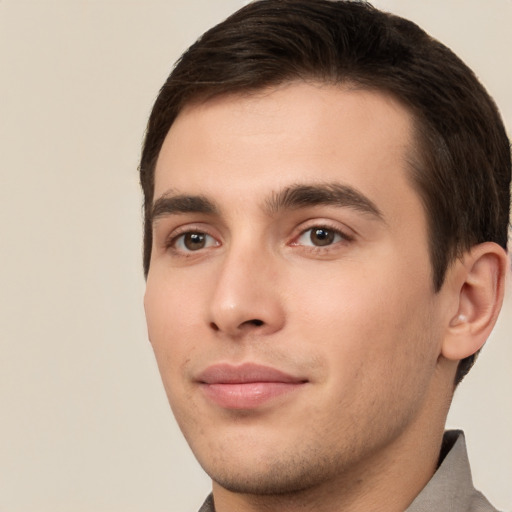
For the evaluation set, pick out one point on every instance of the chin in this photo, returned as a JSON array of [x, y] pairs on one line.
[[278, 474], [270, 483]]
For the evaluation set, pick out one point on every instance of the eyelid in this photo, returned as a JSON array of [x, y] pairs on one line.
[[179, 244], [171, 239], [301, 239], [347, 234]]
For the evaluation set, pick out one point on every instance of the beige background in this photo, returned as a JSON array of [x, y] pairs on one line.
[[84, 421]]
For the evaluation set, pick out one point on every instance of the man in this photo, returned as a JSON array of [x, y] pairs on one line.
[[327, 195]]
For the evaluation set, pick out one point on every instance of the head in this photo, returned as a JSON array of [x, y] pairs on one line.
[[460, 166], [326, 208]]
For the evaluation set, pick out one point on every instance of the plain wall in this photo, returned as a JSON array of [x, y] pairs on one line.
[[85, 424]]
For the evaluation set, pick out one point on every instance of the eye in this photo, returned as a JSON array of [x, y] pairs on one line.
[[193, 241], [320, 236]]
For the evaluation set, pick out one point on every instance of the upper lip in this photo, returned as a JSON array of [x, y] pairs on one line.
[[245, 373]]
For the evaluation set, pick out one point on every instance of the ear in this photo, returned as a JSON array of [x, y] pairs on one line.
[[478, 282]]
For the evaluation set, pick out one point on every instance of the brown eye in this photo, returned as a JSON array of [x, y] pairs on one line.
[[193, 241], [322, 236]]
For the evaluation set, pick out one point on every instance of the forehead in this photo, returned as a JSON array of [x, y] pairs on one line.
[[295, 133]]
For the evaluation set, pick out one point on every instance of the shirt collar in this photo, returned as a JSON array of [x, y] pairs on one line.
[[451, 488]]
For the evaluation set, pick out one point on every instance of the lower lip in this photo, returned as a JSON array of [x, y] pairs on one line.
[[248, 395]]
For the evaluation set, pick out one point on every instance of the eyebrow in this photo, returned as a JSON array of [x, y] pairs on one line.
[[326, 194], [170, 204], [293, 197]]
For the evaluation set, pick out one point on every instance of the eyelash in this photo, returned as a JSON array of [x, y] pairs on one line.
[[174, 239], [178, 237], [339, 236]]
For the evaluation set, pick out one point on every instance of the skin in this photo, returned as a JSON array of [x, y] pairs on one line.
[[355, 320]]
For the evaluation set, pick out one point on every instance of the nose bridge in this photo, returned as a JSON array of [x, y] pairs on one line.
[[246, 297]]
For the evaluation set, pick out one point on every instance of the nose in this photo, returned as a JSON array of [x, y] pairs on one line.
[[247, 299]]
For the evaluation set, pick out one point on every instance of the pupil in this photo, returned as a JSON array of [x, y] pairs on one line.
[[194, 241], [321, 236]]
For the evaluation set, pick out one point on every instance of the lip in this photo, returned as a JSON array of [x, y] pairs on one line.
[[246, 386]]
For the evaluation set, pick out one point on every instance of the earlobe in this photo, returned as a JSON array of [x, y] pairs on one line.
[[479, 285]]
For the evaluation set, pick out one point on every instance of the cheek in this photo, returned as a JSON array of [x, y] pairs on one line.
[[374, 318], [170, 306], [170, 322], [379, 360], [348, 302], [171, 319]]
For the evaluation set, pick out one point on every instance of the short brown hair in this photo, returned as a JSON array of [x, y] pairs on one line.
[[462, 166]]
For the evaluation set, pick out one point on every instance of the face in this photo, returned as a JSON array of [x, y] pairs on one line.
[[289, 298]]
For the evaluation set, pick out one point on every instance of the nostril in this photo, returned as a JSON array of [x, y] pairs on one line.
[[255, 322]]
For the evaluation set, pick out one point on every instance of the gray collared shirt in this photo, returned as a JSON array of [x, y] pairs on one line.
[[449, 490]]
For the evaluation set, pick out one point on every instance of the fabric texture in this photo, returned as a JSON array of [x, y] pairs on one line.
[[208, 505], [449, 490]]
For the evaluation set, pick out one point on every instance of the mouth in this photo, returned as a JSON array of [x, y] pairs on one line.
[[246, 386]]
